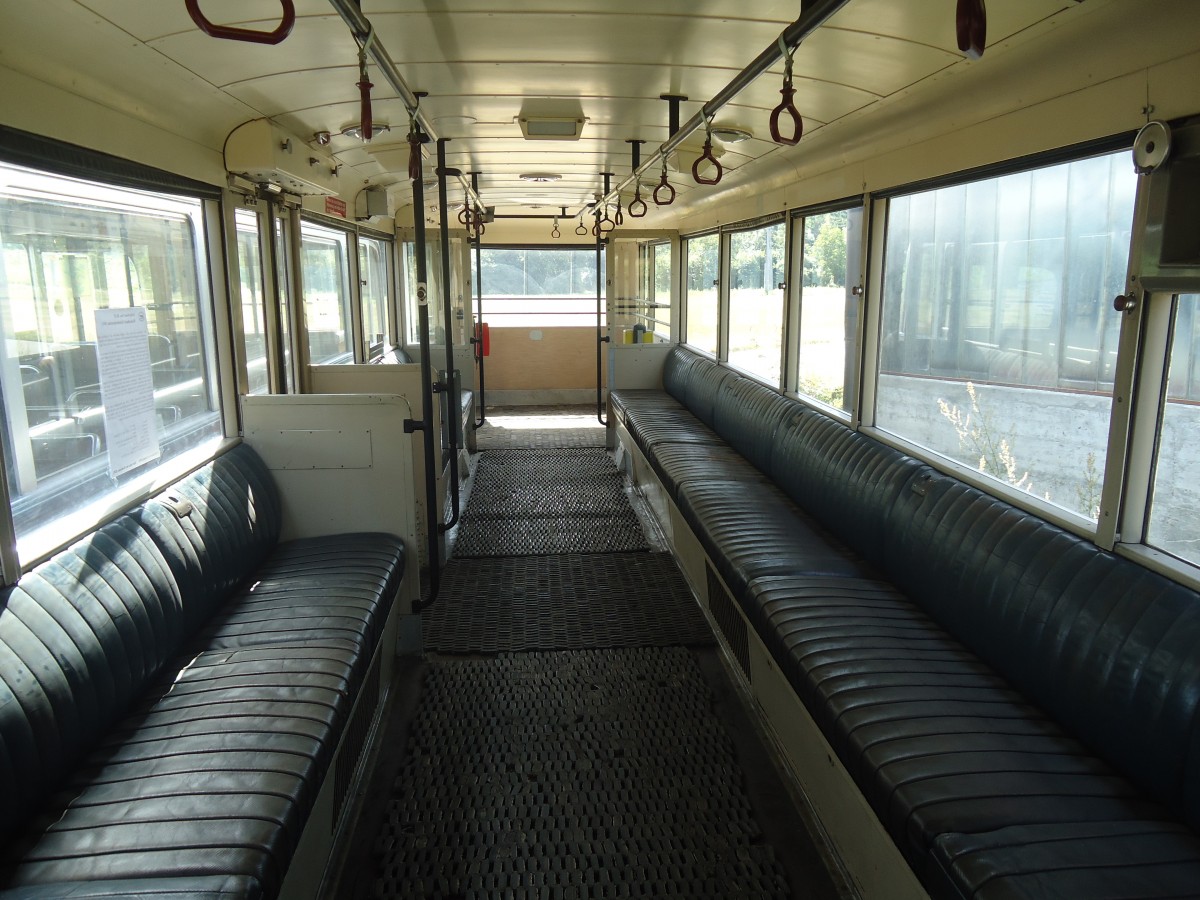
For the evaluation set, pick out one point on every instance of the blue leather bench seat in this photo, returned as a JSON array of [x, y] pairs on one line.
[[1020, 708], [190, 682]]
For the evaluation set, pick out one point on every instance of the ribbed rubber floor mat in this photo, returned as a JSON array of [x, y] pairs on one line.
[[540, 502], [575, 774], [564, 603]]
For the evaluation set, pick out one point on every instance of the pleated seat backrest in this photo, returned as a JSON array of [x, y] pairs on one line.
[[216, 527], [81, 636], [1108, 648]]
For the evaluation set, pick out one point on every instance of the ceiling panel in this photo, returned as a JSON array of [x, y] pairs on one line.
[[487, 58]]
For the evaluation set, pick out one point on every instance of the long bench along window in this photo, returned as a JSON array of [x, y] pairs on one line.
[[87, 408], [998, 337]]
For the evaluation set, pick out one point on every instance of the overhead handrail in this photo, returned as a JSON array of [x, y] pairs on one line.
[[707, 156], [230, 33], [813, 14], [352, 14], [366, 121], [664, 185], [970, 22], [786, 105]]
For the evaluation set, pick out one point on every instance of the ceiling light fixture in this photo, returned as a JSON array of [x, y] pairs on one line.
[[354, 129], [731, 134], [540, 177]]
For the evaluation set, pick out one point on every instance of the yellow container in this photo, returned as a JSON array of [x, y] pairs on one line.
[[627, 336], [648, 337]]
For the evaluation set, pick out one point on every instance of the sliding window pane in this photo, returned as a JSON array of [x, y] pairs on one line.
[[700, 293], [1174, 525], [323, 258], [828, 311], [998, 337], [107, 358], [250, 285], [662, 290], [373, 279], [756, 264]]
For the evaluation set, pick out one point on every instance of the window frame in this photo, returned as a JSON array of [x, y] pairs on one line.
[[1114, 475], [214, 326]]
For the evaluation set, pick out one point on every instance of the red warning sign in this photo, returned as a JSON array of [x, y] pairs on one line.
[[335, 207]]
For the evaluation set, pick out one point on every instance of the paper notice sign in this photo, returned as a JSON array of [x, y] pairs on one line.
[[126, 388]]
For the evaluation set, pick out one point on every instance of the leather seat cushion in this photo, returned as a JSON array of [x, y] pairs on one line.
[[750, 530], [677, 463], [1100, 861], [936, 740]]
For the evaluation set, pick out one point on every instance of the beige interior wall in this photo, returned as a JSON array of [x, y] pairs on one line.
[[533, 359]]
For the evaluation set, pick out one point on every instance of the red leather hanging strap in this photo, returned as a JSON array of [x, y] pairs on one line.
[[786, 106], [664, 188], [366, 120], [637, 206], [229, 33], [368, 124], [971, 24]]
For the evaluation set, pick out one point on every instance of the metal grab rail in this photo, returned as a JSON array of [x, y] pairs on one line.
[[601, 339], [454, 407], [229, 33]]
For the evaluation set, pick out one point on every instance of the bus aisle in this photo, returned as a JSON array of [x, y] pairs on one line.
[[570, 731]]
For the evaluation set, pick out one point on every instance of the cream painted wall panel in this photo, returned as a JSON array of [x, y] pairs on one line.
[[561, 358], [35, 106], [322, 499]]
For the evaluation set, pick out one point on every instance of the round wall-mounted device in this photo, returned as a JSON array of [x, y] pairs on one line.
[[1151, 146]]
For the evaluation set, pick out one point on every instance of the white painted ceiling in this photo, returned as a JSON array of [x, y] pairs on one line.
[[487, 59]]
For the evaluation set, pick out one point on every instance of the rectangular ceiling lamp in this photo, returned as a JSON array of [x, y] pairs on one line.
[[550, 129]]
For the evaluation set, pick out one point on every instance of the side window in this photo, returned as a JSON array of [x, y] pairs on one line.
[[250, 286], [700, 291], [829, 309], [756, 290], [373, 279], [998, 333], [326, 283], [108, 367]]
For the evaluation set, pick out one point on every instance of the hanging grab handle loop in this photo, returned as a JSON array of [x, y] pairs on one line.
[[619, 218], [971, 24], [664, 185], [414, 147], [229, 33], [367, 123], [637, 206], [707, 156], [786, 105], [581, 229]]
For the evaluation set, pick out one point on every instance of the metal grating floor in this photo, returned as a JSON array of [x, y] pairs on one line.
[[564, 602], [540, 427], [539, 502], [570, 775]]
